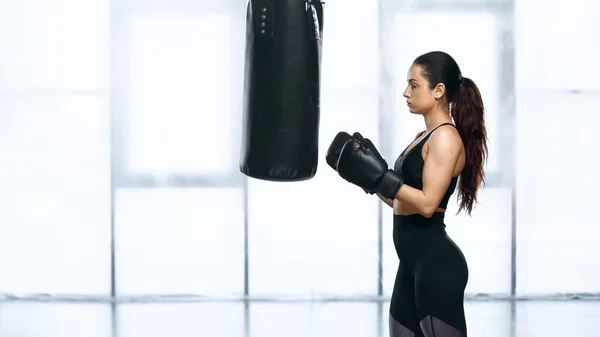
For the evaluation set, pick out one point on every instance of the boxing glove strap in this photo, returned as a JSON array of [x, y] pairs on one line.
[[389, 184]]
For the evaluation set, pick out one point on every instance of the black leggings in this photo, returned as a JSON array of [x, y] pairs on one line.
[[428, 295]]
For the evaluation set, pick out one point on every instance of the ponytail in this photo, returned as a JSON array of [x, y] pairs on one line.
[[467, 112]]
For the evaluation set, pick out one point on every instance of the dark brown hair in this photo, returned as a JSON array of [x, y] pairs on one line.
[[466, 108]]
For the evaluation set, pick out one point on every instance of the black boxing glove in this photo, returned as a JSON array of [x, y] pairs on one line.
[[368, 144], [370, 147], [389, 184], [364, 166], [333, 153]]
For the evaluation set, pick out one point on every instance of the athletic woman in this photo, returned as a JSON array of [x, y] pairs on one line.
[[428, 295]]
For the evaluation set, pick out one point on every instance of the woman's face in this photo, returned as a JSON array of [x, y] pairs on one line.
[[419, 98]]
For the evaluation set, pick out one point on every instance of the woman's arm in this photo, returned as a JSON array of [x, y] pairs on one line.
[[444, 148]]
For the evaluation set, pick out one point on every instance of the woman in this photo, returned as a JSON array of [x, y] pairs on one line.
[[428, 294]]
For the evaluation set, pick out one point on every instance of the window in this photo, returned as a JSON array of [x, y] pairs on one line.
[[449, 5], [162, 6], [192, 319], [180, 117], [557, 222], [64, 319], [180, 241], [54, 45], [556, 139], [476, 51], [485, 317], [317, 234], [484, 238], [55, 196], [331, 319], [546, 50], [555, 318], [350, 45]]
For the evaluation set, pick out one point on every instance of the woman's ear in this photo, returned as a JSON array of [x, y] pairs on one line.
[[439, 90]]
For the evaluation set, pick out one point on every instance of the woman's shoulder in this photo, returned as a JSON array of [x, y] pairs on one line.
[[446, 136]]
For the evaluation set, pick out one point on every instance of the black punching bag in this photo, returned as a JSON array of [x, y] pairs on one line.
[[280, 140]]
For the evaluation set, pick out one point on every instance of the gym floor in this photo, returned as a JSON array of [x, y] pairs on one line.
[[276, 319]]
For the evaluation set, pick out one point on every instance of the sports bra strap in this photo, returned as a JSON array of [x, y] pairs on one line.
[[441, 126], [429, 134]]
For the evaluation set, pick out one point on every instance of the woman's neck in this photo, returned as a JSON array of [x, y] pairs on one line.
[[435, 118]]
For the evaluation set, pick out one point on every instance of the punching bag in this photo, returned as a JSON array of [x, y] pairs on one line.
[[281, 109]]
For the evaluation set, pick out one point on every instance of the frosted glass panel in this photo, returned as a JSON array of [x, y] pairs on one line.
[[180, 241], [484, 238], [557, 186], [55, 195], [350, 45], [54, 45], [449, 5], [556, 44], [180, 115], [478, 60], [55, 319], [323, 320], [318, 236], [182, 320], [557, 318]]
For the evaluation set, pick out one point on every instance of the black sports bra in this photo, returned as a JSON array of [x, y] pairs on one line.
[[410, 165]]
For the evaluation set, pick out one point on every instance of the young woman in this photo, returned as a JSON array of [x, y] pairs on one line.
[[428, 294]]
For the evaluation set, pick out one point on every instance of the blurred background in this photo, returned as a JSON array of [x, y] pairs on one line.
[[120, 131]]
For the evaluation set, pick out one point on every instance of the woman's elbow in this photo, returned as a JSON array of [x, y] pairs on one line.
[[428, 211]]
